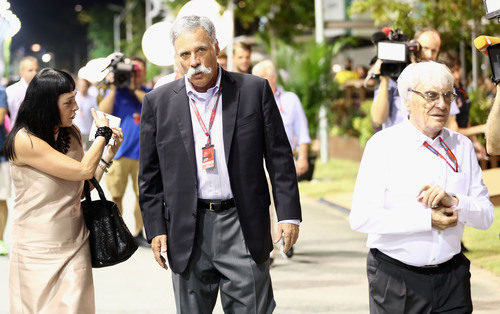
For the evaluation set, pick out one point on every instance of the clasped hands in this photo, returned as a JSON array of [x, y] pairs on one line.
[[443, 216]]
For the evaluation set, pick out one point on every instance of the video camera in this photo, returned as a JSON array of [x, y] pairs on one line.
[[122, 69], [395, 50], [488, 45]]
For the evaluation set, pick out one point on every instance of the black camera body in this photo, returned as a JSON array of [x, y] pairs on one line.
[[395, 50], [122, 69]]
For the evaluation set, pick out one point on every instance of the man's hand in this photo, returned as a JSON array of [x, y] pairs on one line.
[[159, 246], [443, 218], [291, 232], [435, 196], [301, 166]]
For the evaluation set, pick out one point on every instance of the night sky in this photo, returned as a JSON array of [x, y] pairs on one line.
[[55, 26]]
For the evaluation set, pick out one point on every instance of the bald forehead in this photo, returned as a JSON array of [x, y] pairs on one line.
[[28, 63], [430, 35]]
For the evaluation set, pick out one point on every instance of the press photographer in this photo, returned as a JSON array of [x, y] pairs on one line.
[[387, 108], [124, 100]]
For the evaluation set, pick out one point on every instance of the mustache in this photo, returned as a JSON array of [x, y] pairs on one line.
[[199, 69]]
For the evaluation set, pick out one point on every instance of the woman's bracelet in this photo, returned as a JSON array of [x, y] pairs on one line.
[[108, 164], [105, 132], [104, 168]]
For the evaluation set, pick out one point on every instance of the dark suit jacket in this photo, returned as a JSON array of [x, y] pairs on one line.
[[252, 129]]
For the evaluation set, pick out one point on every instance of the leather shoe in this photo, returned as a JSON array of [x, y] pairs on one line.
[[141, 241]]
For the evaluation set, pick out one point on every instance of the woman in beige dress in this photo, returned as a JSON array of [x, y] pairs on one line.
[[50, 265]]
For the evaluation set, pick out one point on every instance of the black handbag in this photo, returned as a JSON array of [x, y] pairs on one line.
[[110, 240]]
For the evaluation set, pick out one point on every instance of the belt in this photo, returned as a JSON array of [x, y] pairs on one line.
[[216, 205], [421, 269]]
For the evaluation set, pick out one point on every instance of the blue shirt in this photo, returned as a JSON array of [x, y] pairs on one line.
[[3, 131], [125, 106]]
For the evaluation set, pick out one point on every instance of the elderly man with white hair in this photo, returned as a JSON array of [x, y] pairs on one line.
[[419, 184]]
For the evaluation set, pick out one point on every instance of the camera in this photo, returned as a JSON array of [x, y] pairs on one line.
[[395, 50], [122, 69]]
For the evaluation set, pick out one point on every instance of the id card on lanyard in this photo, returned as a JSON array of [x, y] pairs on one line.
[[208, 151]]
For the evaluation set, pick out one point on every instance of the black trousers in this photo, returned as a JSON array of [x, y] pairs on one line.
[[399, 288]]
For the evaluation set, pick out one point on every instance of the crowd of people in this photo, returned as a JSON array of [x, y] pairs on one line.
[[213, 157]]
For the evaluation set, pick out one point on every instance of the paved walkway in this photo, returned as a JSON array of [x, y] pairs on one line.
[[326, 275]]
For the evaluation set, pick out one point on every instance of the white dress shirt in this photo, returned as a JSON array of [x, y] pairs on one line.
[[213, 183], [15, 96], [395, 166], [294, 118], [83, 116]]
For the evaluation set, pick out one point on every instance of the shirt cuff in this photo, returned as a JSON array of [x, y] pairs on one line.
[[290, 221], [462, 207]]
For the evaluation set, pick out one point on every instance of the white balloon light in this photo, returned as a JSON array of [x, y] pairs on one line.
[[157, 45]]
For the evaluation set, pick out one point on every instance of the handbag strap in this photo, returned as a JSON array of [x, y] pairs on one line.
[[96, 185]]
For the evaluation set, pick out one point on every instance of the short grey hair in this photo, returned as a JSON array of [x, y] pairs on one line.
[[265, 66], [191, 23], [417, 73]]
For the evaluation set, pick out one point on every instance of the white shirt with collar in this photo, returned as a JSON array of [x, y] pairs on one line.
[[15, 96], [293, 116], [395, 166]]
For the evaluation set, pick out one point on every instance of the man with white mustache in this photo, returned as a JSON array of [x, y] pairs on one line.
[[203, 191]]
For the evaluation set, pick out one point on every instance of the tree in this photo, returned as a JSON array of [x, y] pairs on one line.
[[273, 19], [99, 23], [455, 19]]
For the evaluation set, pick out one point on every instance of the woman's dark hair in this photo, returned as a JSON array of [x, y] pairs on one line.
[[39, 112]]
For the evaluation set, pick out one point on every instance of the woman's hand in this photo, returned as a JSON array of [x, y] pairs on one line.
[[99, 121], [118, 138]]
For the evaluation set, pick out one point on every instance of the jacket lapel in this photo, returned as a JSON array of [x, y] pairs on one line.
[[230, 99], [181, 110]]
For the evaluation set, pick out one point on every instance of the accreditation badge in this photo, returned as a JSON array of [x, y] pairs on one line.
[[137, 118], [208, 157]]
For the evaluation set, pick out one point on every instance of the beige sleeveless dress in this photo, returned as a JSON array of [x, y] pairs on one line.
[[50, 265]]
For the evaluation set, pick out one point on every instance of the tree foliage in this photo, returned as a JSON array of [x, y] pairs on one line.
[[99, 23], [455, 19], [308, 74], [281, 19]]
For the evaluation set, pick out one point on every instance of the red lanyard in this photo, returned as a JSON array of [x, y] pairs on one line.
[[448, 152], [212, 118]]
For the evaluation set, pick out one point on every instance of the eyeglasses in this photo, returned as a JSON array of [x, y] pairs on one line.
[[432, 96]]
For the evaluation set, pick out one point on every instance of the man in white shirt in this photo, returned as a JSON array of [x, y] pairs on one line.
[[83, 118], [418, 185], [15, 93], [292, 113], [295, 122]]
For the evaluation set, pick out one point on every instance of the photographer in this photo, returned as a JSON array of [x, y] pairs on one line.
[[387, 108], [126, 103]]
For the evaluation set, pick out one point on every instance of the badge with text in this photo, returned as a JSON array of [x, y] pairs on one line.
[[137, 118], [208, 157]]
